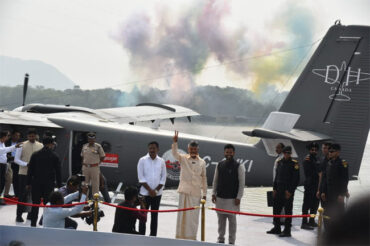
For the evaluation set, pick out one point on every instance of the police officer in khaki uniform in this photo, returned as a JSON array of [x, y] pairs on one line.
[[92, 154]]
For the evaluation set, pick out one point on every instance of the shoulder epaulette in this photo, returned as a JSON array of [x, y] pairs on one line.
[[296, 165], [344, 163], [307, 158]]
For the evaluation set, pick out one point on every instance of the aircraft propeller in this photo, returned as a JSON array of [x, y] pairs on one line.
[[25, 87]]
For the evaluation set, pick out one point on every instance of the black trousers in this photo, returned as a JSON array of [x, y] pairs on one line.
[[279, 203], [310, 202], [151, 203], [3, 168], [70, 223], [39, 191], [15, 169], [23, 193]]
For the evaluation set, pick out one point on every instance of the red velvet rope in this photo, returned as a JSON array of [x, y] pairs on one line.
[[262, 215], [149, 210], [42, 205], [157, 211]]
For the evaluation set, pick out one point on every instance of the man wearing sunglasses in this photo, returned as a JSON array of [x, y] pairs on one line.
[[334, 185], [311, 173], [285, 183]]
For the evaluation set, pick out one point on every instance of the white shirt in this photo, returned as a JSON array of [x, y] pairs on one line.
[[280, 156], [3, 151], [152, 172], [17, 158], [13, 152], [54, 217]]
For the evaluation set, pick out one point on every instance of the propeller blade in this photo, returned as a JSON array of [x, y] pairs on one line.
[[25, 87]]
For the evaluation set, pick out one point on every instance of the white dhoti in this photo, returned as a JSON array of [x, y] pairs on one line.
[[187, 221]]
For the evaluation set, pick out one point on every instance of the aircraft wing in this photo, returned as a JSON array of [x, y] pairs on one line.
[[141, 112], [26, 119], [145, 112]]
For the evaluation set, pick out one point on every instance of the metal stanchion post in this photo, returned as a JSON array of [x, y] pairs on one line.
[[203, 224], [320, 223], [96, 207]]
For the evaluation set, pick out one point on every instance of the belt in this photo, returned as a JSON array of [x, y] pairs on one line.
[[91, 165]]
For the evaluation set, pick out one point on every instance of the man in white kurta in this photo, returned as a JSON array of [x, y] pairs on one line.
[[192, 186]]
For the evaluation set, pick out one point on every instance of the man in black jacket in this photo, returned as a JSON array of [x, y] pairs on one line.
[[334, 184], [322, 174], [43, 170], [285, 183], [311, 173]]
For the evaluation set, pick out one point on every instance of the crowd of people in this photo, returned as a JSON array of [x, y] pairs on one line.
[[36, 171], [325, 181]]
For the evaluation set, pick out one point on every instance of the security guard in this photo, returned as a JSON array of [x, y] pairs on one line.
[[43, 170], [311, 173], [334, 186], [322, 174], [92, 154], [285, 183]]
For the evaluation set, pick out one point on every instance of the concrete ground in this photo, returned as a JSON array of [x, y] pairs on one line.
[[251, 230]]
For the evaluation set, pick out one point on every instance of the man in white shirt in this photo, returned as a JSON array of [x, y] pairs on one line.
[[4, 136], [13, 169], [55, 217], [152, 174]]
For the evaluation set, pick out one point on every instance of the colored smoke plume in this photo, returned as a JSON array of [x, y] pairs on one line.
[[175, 49]]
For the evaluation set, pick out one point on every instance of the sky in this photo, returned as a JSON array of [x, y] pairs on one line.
[[173, 44]]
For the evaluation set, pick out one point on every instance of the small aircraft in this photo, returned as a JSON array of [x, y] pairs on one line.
[[313, 111]]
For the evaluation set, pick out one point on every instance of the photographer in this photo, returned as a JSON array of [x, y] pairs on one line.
[[125, 220], [73, 185], [57, 217]]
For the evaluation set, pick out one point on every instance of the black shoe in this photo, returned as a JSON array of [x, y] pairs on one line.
[[306, 226], [220, 241], [19, 219], [275, 230], [33, 224], [312, 223], [29, 217], [285, 234]]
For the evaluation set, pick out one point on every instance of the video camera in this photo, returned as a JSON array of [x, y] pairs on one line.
[[81, 177], [90, 219]]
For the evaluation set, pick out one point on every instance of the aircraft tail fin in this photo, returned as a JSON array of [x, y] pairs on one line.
[[332, 95], [330, 100]]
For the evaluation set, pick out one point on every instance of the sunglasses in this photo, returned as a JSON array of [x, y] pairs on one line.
[[332, 151]]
